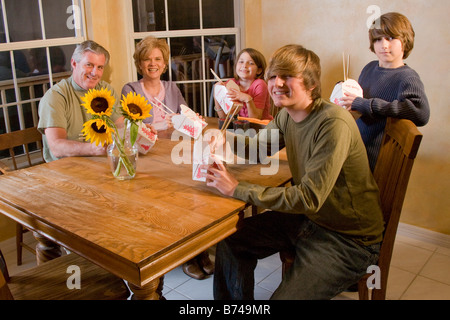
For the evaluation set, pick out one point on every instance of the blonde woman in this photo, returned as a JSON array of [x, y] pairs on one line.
[[151, 59]]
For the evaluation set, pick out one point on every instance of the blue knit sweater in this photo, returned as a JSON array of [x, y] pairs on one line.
[[397, 93]]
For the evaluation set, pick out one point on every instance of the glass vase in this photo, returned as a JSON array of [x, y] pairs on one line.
[[122, 158]]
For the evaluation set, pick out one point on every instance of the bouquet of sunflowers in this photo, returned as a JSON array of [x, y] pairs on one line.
[[101, 129]]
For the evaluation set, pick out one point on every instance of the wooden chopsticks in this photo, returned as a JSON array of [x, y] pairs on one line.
[[162, 109], [216, 76], [345, 65], [228, 118]]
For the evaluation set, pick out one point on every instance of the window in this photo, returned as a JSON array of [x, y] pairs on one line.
[[202, 35], [37, 39]]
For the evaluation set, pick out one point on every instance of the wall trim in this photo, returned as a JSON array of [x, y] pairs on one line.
[[425, 235]]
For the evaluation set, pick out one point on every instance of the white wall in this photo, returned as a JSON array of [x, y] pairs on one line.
[[330, 27]]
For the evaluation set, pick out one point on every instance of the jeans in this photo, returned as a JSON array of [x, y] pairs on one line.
[[326, 262]]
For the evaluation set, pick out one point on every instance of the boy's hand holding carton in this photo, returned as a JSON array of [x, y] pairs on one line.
[[348, 86], [343, 87]]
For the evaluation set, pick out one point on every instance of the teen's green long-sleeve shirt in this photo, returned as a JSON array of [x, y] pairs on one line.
[[333, 184]]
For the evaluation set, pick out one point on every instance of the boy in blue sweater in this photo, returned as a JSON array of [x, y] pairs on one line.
[[391, 88]]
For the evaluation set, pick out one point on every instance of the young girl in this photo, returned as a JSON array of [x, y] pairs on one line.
[[253, 94]]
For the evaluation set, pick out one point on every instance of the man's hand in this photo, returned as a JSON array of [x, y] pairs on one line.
[[61, 147]]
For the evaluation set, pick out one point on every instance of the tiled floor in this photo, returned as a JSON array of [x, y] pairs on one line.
[[420, 270]]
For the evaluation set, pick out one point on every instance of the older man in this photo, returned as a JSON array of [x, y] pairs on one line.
[[61, 116]]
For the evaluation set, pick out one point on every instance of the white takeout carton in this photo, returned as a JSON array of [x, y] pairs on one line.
[[146, 139], [349, 86], [188, 122], [188, 112], [202, 155], [220, 93]]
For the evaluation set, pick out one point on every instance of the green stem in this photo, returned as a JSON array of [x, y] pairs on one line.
[[123, 158]]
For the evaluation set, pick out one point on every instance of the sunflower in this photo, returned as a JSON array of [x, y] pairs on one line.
[[135, 107], [98, 131], [99, 102]]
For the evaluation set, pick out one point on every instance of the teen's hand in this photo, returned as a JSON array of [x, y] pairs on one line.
[[220, 178], [216, 140]]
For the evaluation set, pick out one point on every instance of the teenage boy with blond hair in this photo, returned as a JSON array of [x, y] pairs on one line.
[[330, 216]]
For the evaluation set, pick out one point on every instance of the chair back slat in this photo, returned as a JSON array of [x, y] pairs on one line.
[[398, 151], [394, 165]]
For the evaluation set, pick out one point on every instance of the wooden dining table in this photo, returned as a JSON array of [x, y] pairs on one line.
[[137, 229]]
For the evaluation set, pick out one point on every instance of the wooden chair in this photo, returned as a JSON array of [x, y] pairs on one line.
[[399, 148], [9, 141], [50, 281]]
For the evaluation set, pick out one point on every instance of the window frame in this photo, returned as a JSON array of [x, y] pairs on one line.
[[201, 32], [29, 83], [80, 36]]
